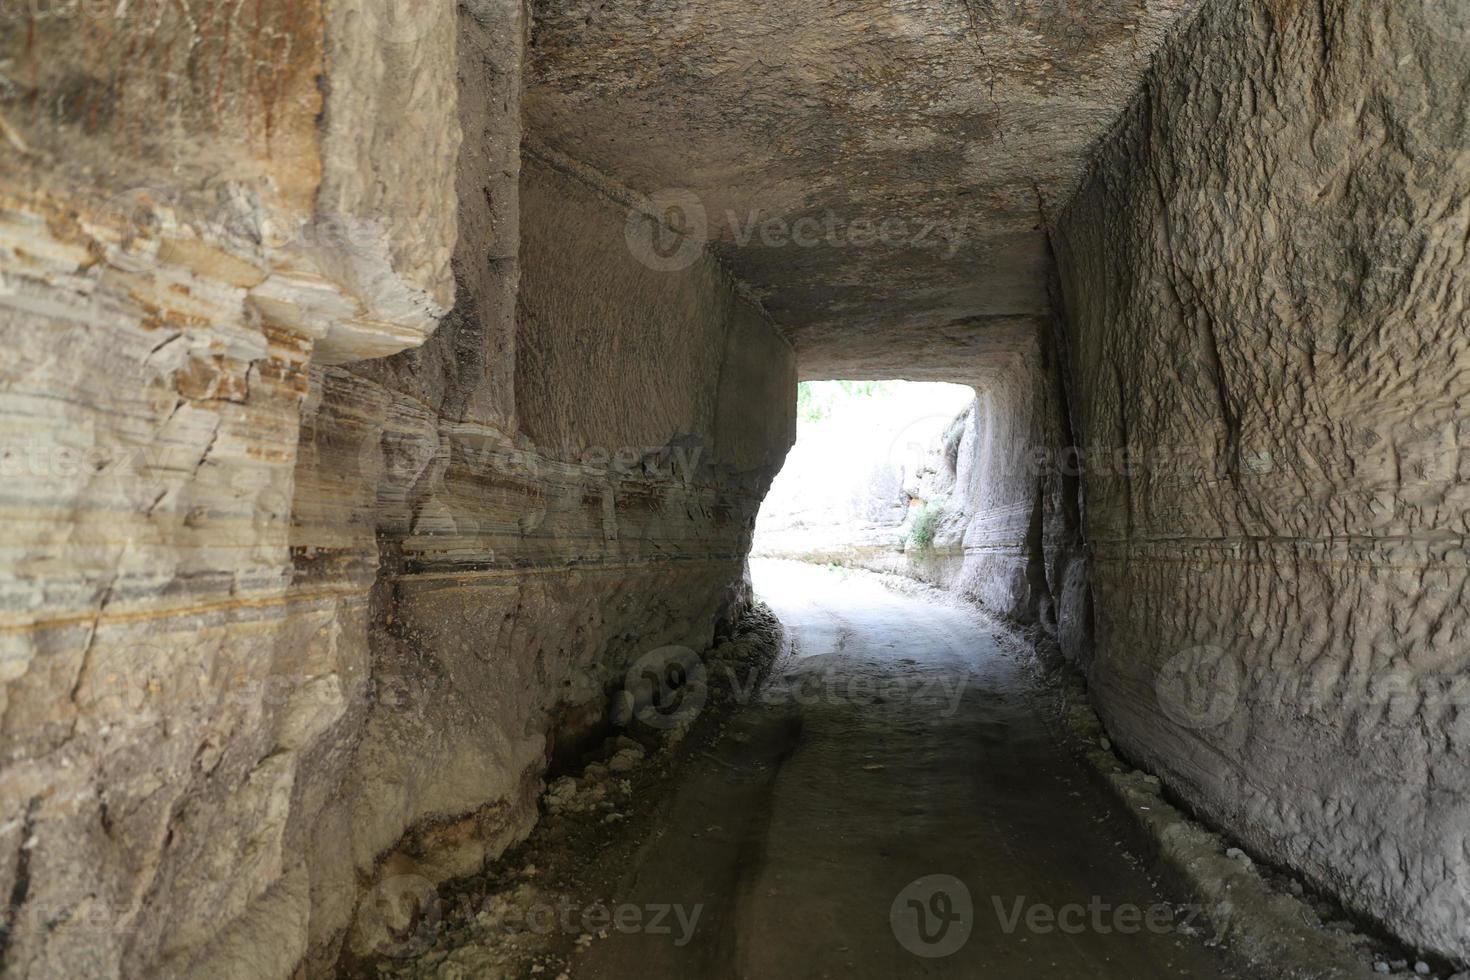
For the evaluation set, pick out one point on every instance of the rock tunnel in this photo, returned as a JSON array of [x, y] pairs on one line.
[[382, 378]]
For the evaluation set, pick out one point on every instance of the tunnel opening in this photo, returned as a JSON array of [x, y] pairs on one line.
[[875, 478]]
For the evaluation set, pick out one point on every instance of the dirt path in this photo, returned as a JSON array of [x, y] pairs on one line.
[[893, 796]]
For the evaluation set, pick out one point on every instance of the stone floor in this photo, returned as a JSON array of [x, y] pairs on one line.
[[895, 803]]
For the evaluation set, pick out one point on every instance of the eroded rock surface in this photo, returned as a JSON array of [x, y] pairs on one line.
[[1266, 287], [877, 173], [284, 627]]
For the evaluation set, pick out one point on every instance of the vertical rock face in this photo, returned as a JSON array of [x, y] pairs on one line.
[[285, 626], [1267, 286], [1017, 489]]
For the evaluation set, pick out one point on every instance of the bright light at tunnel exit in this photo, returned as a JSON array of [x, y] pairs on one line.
[[866, 463]]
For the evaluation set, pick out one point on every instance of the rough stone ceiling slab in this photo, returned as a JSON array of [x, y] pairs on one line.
[[947, 127]]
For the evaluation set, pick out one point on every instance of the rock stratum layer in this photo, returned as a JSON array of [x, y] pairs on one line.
[[284, 628]]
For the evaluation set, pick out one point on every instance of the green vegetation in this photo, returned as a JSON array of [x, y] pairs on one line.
[[926, 523], [817, 400]]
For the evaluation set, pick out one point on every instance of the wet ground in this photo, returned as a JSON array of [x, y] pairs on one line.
[[894, 804]]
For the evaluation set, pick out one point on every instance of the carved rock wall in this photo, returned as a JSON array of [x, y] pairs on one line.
[[1267, 289], [284, 627], [1018, 499]]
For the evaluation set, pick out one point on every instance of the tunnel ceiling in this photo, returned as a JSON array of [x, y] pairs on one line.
[[956, 122]]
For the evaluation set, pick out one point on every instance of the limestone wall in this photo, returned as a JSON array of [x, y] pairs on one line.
[[1022, 554], [1266, 283], [287, 631], [518, 572]]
